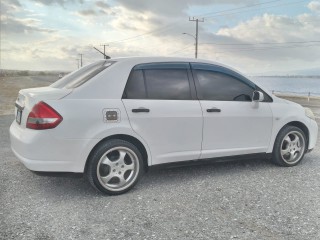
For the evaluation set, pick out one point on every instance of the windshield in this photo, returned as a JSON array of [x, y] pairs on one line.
[[79, 77]]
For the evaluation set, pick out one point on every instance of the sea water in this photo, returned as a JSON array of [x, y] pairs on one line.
[[295, 85]]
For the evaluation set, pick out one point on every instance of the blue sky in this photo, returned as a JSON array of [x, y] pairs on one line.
[[254, 36]]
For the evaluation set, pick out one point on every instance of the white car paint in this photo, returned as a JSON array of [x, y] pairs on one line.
[[240, 128], [171, 131]]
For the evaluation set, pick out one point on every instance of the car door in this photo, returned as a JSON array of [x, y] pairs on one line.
[[161, 104], [232, 123]]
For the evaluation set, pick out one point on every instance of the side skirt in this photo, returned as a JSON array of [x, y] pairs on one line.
[[265, 156]]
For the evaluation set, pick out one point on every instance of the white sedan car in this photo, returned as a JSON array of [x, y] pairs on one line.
[[115, 118]]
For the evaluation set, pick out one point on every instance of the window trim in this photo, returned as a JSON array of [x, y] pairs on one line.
[[221, 69], [164, 65], [194, 84], [200, 93], [226, 71]]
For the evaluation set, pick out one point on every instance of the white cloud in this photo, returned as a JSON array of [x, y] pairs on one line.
[[59, 2], [155, 28], [130, 20], [175, 8], [314, 6], [298, 35], [9, 7]]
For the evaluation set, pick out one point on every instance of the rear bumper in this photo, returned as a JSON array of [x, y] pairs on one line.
[[39, 151], [44, 165]]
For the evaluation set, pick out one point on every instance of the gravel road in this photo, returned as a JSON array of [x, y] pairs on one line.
[[250, 199]]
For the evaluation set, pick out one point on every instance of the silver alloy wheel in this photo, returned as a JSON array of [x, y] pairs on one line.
[[118, 168], [292, 147]]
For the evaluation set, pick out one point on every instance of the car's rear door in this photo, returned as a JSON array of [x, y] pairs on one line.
[[162, 107], [232, 123]]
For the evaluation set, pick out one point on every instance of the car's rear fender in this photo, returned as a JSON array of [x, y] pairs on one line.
[[86, 119]]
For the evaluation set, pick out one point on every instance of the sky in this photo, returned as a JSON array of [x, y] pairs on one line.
[[253, 36]]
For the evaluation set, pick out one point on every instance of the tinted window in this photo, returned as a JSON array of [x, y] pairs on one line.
[[79, 77], [222, 87], [171, 84], [135, 88]]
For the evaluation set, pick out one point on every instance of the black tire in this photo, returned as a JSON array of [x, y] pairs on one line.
[[110, 162], [285, 147]]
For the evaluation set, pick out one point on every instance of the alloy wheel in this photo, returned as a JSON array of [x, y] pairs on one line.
[[118, 168], [292, 147]]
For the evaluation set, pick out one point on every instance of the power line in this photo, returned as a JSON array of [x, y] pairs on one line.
[[161, 29], [261, 43], [172, 24], [246, 49], [283, 4], [262, 49], [180, 50], [232, 9]]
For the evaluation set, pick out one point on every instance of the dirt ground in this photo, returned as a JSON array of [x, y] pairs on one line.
[[10, 86]]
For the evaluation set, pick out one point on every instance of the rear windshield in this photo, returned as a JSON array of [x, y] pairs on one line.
[[79, 77]]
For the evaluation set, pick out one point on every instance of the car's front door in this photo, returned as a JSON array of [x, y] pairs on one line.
[[232, 123], [162, 108]]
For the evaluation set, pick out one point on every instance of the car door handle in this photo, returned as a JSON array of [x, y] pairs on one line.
[[213, 110], [137, 110]]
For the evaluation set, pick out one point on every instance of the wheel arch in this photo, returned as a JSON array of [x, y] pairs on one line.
[[127, 138], [299, 125]]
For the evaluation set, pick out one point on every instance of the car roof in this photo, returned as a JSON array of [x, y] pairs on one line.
[[153, 59], [138, 60]]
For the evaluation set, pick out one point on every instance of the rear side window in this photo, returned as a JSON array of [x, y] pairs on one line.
[[79, 77], [135, 88], [171, 84], [222, 87], [166, 84]]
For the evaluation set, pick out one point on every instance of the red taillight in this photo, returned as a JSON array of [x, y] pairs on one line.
[[42, 116]]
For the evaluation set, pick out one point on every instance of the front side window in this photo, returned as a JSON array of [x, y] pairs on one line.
[[222, 87], [166, 84]]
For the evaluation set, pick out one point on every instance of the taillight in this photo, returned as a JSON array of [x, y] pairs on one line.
[[42, 116]]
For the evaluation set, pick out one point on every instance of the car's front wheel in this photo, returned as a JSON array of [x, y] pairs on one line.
[[289, 147], [115, 166]]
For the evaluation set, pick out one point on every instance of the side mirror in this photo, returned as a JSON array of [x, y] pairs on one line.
[[257, 96]]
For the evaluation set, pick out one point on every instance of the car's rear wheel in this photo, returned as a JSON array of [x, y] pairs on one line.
[[289, 147], [115, 166]]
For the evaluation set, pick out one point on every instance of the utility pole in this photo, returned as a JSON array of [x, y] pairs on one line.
[[80, 59], [197, 20], [103, 53], [104, 50]]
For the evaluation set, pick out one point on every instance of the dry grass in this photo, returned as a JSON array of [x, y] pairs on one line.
[[10, 86]]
